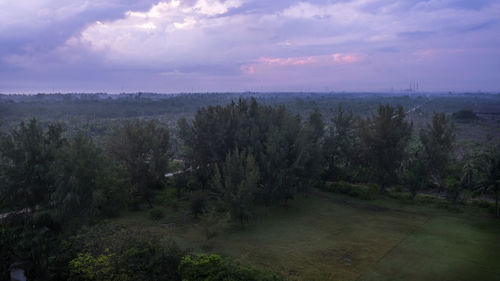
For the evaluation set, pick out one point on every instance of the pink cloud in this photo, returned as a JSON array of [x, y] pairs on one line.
[[248, 69], [271, 62], [289, 61], [346, 58]]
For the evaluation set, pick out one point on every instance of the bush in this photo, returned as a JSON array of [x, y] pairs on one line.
[[157, 213], [398, 192], [86, 267], [465, 115], [426, 198], [149, 260], [366, 192], [215, 268], [482, 204], [116, 253], [167, 197]]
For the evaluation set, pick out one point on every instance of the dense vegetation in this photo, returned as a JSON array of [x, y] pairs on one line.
[[226, 163]]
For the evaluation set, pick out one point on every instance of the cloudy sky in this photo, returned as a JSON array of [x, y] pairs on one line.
[[248, 45]]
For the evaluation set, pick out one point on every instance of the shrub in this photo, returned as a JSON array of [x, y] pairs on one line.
[[86, 267], [355, 190], [397, 192], [157, 213], [116, 254], [465, 115], [215, 268], [426, 198], [482, 204], [149, 260]]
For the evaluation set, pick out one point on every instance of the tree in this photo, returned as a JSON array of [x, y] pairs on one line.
[[415, 174], [75, 172], [28, 153], [87, 184], [142, 147], [309, 164], [384, 138], [316, 126], [273, 136], [437, 140], [236, 181], [339, 145], [280, 163]]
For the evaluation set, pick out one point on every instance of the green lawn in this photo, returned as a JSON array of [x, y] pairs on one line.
[[328, 237]]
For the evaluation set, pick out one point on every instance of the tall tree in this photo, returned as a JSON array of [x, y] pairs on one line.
[[384, 138], [28, 153], [143, 148], [271, 134], [415, 175], [309, 162], [280, 164], [87, 184], [236, 180], [339, 146], [437, 140]]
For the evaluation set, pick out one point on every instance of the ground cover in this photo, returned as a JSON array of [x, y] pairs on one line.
[[331, 237]]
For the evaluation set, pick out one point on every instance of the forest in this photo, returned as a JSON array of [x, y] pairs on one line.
[[250, 186]]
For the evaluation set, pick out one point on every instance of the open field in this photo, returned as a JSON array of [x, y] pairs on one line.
[[328, 237]]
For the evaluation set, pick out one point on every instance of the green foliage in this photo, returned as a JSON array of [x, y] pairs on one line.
[[28, 153], [273, 136], [415, 176], [453, 189], [143, 148], [489, 167], [482, 204], [87, 268], [25, 240], [437, 140], [339, 146], [384, 139], [76, 170], [112, 182], [54, 185], [465, 115], [168, 197], [150, 261], [112, 252], [157, 213], [309, 165], [215, 268], [87, 183], [366, 192], [237, 184]]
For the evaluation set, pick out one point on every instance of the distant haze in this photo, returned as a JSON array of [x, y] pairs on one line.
[[248, 45]]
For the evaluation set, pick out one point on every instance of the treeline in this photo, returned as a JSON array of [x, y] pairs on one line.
[[51, 185], [245, 154], [235, 158]]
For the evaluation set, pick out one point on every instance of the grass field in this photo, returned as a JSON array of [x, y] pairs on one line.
[[328, 237]]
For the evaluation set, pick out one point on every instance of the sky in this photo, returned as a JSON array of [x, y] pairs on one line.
[[248, 45]]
